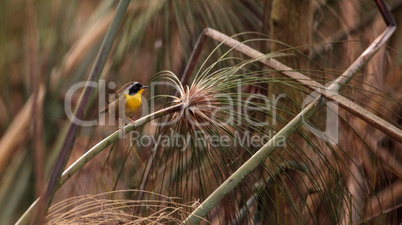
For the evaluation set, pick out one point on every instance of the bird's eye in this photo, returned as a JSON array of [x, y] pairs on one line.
[[134, 89]]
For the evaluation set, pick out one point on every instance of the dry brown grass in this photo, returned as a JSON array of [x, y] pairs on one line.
[[113, 208]]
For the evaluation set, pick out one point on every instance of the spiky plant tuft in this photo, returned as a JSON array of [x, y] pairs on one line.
[[199, 105], [210, 136]]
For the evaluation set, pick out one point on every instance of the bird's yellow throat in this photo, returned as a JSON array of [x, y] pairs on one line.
[[133, 102]]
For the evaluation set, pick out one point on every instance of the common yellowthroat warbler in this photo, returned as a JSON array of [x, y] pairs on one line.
[[128, 98]]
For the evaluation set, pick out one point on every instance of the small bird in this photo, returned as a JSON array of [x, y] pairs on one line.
[[127, 100]]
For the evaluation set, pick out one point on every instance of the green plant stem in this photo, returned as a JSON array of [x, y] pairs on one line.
[[279, 139], [71, 170], [61, 161]]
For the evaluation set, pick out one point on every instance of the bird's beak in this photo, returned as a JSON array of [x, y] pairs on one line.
[[145, 87]]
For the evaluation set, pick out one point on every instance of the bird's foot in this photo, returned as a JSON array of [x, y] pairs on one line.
[[133, 122]]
